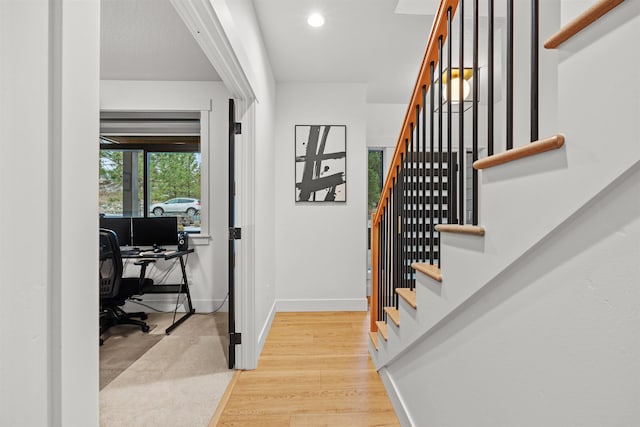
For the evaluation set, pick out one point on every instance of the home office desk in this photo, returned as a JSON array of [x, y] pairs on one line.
[[145, 257]]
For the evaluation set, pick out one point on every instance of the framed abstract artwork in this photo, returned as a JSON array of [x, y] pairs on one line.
[[321, 163]]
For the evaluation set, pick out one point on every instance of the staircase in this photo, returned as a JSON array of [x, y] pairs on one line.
[[529, 315]]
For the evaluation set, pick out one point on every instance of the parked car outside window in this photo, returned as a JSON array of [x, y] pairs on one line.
[[178, 205]]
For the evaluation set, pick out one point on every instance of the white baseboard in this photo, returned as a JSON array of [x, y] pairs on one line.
[[396, 399], [265, 330], [354, 304]]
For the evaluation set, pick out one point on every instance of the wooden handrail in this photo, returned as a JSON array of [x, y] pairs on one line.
[[431, 55], [585, 19], [532, 149], [438, 30]]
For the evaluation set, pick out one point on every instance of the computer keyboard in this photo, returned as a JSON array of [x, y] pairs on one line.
[[129, 252]]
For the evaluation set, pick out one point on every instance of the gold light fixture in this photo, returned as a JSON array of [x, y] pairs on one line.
[[456, 75]]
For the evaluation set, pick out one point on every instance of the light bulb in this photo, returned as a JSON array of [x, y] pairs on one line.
[[455, 90], [315, 20]]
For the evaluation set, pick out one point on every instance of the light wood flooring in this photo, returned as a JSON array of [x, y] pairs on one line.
[[314, 370]]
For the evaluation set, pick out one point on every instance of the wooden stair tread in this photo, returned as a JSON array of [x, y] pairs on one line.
[[393, 314], [430, 270], [408, 295], [532, 149], [582, 21], [474, 230], [374, 339], [382, 328]]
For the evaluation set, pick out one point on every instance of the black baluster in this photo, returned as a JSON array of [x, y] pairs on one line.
[[398, 222], [423, 168], [383, 245], [490, 83], [474, 172], [509, 74], [403, 215], [383, 263], [431, 162], [535, 26], [389, 243], [450, 167], [417, 179], [440, 183], [461, 151]]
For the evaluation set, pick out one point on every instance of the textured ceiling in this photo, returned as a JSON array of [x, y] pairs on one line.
[[147, 40]]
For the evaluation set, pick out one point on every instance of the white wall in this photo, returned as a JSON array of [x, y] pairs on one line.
[[553, 342], [384, 122], [49, 208], [321, 248], [207, 266]]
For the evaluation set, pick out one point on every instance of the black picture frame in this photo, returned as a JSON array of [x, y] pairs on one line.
[[320, 177]]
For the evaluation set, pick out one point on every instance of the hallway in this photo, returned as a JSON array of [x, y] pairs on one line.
[[314, 370]]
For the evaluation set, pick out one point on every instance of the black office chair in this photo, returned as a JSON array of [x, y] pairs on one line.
[[115, 289]]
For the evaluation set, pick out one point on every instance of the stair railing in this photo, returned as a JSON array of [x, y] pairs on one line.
[[427, 186]]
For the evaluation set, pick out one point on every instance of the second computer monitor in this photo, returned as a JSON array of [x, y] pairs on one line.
[[121, 226], [162, 231]]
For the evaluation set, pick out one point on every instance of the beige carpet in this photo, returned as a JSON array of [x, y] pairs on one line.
[[123, 345], [176, 382]]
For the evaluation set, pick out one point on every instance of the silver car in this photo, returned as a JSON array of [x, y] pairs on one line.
[[178, 205]]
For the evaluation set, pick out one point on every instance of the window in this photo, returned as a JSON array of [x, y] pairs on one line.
[[375, 183], [375, 179], [156, 174], [121, 182]]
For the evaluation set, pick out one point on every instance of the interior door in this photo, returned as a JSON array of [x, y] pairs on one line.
[[234, 234]]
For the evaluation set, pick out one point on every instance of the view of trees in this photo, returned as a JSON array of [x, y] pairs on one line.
[[375, 179], [174, 175], [170, 175]]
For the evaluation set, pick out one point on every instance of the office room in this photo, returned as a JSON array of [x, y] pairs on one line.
[[163, 157], [137, 130]]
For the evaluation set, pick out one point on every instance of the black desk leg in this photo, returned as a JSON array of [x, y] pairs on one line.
[[190, 309]]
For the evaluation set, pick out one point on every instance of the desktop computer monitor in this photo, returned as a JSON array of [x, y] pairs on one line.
[[155, 232], [121, 226]]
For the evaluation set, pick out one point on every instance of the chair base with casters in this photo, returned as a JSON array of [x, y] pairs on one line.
[[112, 314], [117, 316]]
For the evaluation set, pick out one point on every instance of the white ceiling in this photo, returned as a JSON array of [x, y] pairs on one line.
[[147, 40], [363, 41]]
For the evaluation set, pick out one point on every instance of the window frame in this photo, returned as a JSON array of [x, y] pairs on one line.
[[205, 231]]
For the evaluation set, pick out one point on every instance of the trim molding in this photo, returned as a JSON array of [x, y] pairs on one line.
[[224, 400], [266, 328], [396, 398], [351, 304], [207, 29]]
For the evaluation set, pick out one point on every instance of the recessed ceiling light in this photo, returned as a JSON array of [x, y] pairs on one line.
[[315, 20]]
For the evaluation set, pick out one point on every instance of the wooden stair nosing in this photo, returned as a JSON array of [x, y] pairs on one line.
[[408, 295], [430, 270], [537, 147], [474, 230], [382, 328], [582, 21], [374, 339], [393, 314]]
